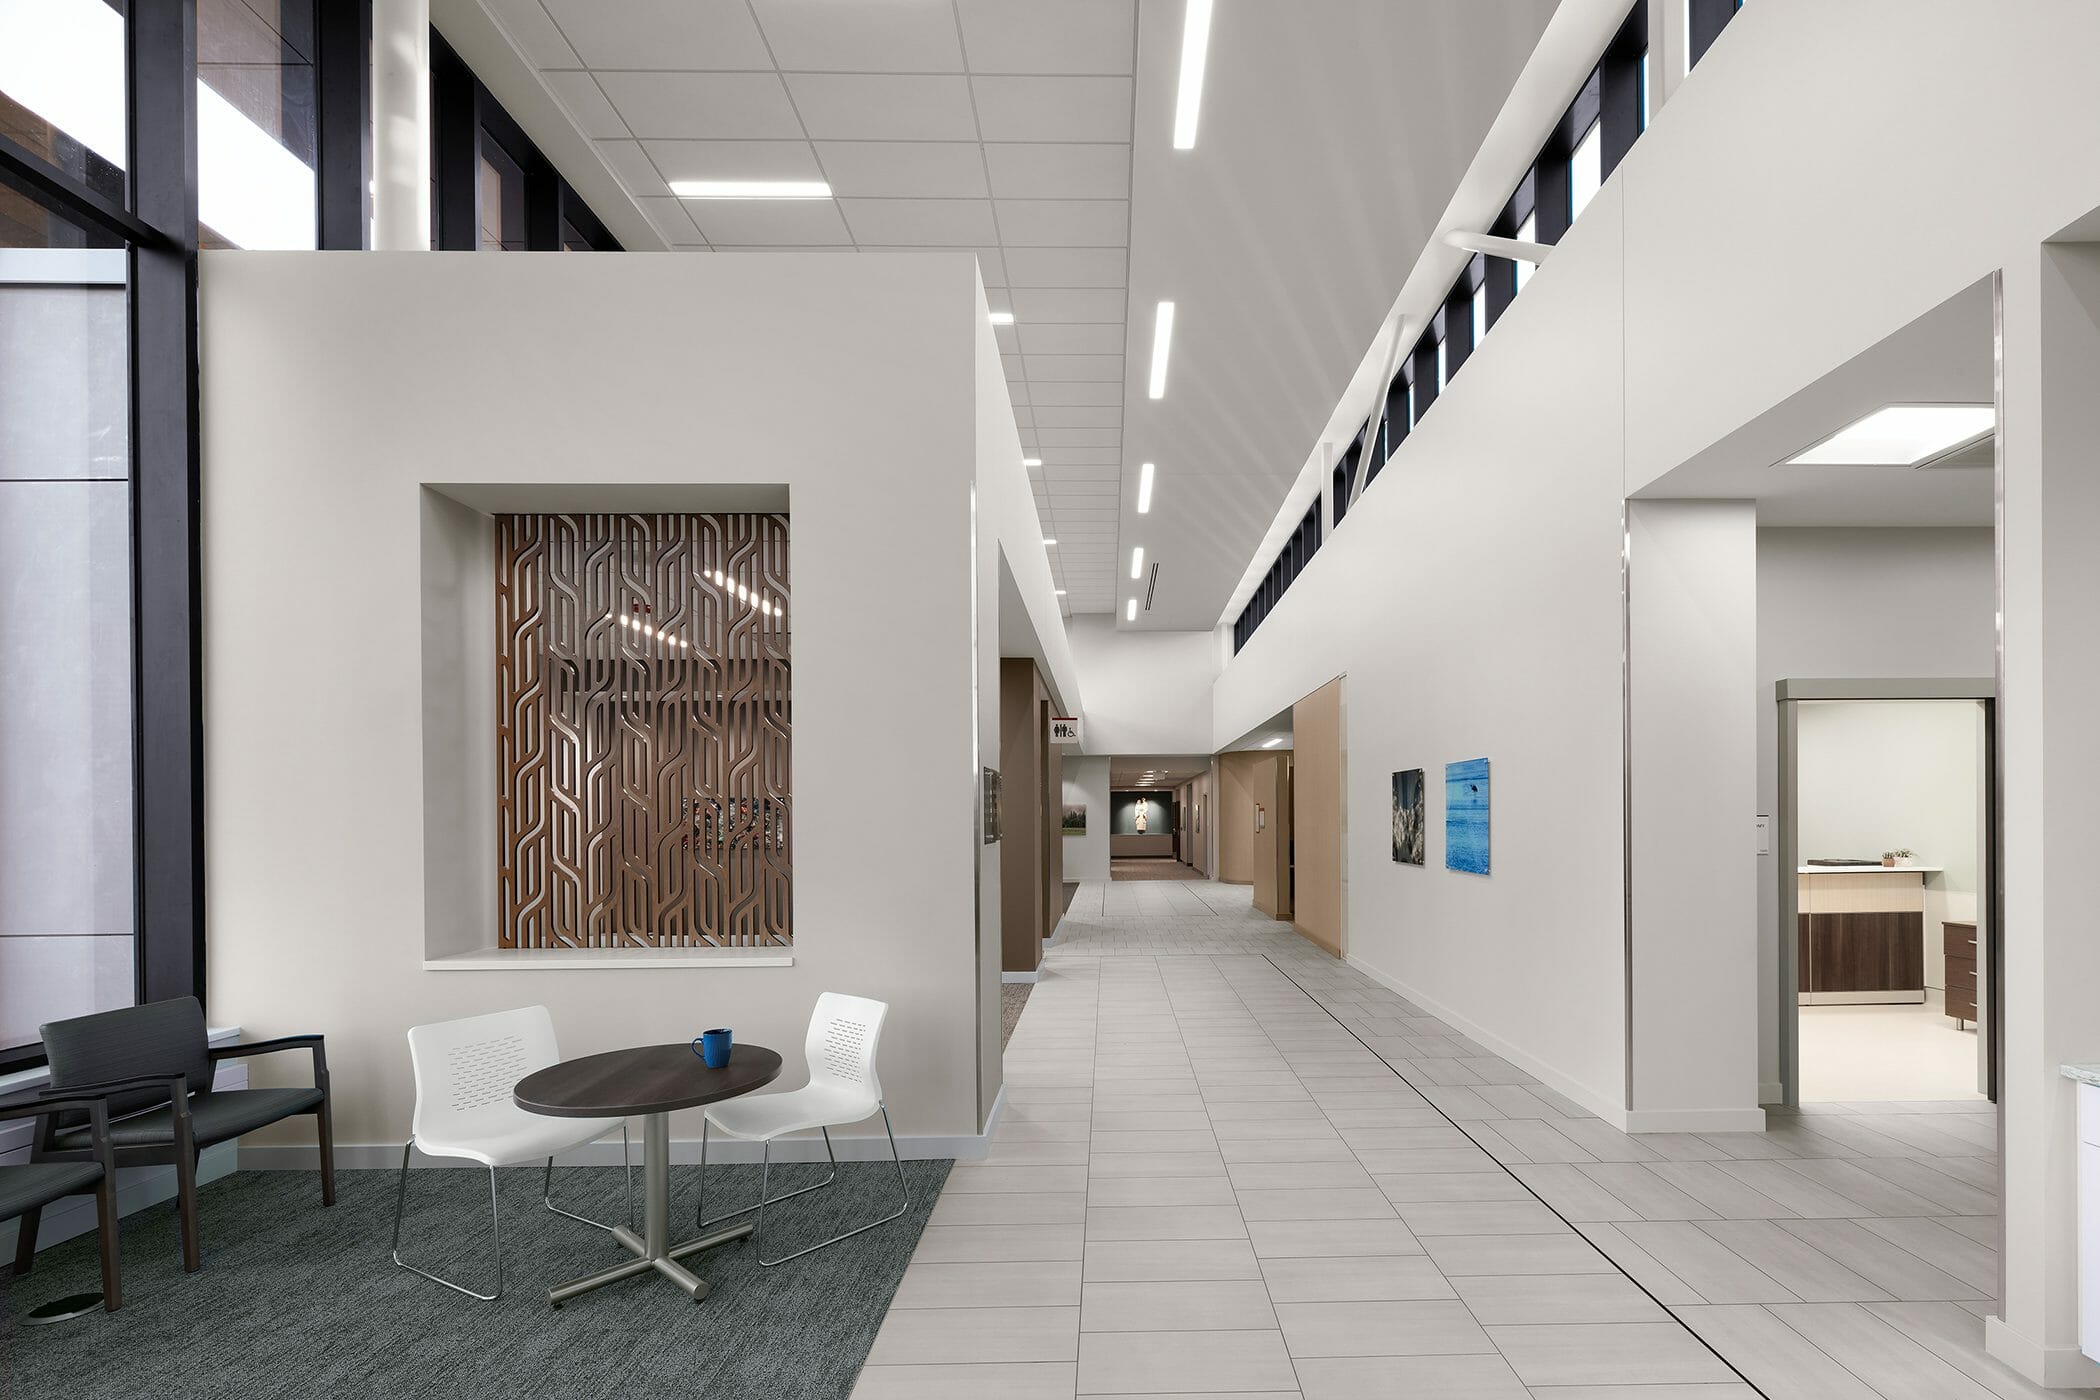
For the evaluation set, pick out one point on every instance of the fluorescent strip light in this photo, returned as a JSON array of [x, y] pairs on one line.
[[751, 189], [1060, 592], [1031, 461], [1195, 48], [1273, 742], [1162, 338], [1130, 613], [1137, 561], [1002, 318], [1145, 489], [1049, 541], [1901, 435]]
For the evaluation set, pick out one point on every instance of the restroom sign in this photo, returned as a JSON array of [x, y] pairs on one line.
[[1064, 729]]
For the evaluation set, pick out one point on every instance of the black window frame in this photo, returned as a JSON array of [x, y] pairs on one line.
[[464, 115], [1708, 18]]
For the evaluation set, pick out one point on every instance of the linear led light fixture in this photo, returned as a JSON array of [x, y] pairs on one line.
[[1002, 318], [1145, 489], [1137, 562], [751, 189], [1031, 461], [1162, 341], [1273, 742], [1048, 541], [1902, 435], [1195, 50], [1130, 612]]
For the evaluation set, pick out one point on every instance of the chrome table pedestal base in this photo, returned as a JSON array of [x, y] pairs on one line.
[[656, 1253]]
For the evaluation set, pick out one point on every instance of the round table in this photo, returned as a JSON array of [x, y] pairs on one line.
[[648, 1081]]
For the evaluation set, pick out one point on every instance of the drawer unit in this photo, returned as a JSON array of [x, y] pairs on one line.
[[1958, 941]]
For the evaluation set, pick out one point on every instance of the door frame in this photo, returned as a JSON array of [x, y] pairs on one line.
[[1786, 846]]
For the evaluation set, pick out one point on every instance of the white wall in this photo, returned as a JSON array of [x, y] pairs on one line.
[[1856, 604], [1086, 780], [1146, 692], [1879, 775], [1481, 582], [634, 377]]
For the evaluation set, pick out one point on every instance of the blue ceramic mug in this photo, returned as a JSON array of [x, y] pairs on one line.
[[713, 1048]]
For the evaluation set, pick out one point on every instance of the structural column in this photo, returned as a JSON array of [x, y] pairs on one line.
[[2049, 750], [401, 125]]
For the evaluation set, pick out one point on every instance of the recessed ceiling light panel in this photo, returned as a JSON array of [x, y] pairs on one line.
[[751, 189], [1195, 53], [1902, 435]]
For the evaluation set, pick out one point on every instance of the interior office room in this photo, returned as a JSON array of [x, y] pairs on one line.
[[917, 698]]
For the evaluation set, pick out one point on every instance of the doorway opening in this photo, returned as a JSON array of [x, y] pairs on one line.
[[1885, 790], [1157, 805]]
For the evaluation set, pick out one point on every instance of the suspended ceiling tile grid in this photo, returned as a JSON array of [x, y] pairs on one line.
[[999, 128]]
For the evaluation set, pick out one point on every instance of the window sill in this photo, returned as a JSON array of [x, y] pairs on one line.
[[631, 959]]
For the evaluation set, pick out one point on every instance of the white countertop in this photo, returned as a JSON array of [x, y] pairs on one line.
[[2084, 1074], [1870, 869]]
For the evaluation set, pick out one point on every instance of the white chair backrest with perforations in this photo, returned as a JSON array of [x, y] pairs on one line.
[[465, 1071], [843, 1035]]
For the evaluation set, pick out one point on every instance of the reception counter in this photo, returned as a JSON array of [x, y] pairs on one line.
[[1862, 932]]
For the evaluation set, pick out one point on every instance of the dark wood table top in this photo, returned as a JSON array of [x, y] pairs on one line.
[[645, 1079]]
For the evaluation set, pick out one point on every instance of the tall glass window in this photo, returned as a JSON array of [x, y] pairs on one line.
[[66, 805], [1585, 170], [502, 201], [1480, 313], [1443, 365], [62, 87], [1527, 232], [255, 124]]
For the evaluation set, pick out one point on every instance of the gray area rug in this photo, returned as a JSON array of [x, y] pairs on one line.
[[299, 1301]]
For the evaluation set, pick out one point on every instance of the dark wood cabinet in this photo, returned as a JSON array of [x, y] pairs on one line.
[[1959, 942], [1868, 952]]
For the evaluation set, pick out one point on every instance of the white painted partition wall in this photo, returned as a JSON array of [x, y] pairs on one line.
[[1779, 218], [337, 385]]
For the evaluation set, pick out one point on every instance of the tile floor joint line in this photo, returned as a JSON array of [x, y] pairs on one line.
[[1503, 1167]]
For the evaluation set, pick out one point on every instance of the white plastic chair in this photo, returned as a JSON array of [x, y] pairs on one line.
[[465, 1071], [843, 1088]]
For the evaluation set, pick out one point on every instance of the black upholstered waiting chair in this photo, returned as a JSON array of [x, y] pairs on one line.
[[27, 1187], [153, 1065]]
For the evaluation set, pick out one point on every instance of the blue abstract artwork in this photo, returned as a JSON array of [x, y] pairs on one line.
[[1466, 816]]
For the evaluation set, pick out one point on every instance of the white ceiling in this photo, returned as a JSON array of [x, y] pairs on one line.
[[1149, 771], [1333, 133], [1947, 355]]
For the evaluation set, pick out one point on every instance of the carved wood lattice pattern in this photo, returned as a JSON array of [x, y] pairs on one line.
[[643, 668]]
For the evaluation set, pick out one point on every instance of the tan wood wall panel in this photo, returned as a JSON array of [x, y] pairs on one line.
[[1316, 815], [1021, 858], [1235, 817]]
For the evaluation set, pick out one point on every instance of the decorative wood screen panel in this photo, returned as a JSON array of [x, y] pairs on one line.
[[643, 669]]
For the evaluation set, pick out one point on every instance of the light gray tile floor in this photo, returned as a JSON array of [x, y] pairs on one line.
[[1230, 1164]]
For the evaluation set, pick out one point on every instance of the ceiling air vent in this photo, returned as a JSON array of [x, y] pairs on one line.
[[1151, 586]]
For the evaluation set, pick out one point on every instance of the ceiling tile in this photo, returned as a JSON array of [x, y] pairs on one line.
[[1090, 367], [1054, 339], [586, 104], [1060, 416], [992, 268], [662, 34], [531, 31], [637, 174], [1027, 437], [904, 169], [1009, 344], [1053, 109], [1013, 367], [1018, 391], [1091, 223], [884, 107], [769, 221], [703, 106], [1086, 488], [944, 223], [1079, 437], [1059, 171], [670, 219], [1067, 458], [853, 36], [1066, 267], [733, 160], [1023, 417], [1063, 394], [1071, 36], [1094, 305]]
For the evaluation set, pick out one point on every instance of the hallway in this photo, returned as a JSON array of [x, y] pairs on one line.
[[1230, 1164]]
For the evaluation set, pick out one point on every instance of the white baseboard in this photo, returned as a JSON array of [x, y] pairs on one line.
[[1020, 976], [2053, 1368], [990, 1134], [1732, 1120], [137, 1189]]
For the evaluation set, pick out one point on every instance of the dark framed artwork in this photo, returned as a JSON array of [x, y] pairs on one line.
[[1466, 816], [1074, 822], [1410, 816]]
